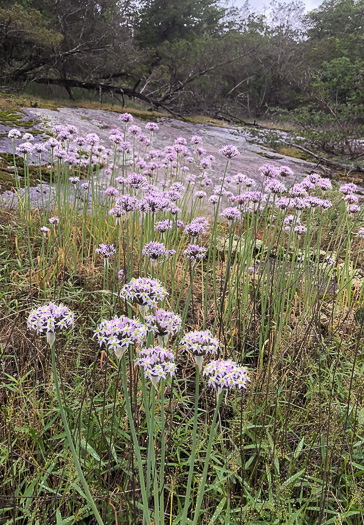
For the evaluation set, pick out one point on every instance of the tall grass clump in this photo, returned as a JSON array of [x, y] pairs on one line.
[[203, 360]]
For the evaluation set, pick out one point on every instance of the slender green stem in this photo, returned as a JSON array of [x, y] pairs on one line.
[[146, 513], [70, 442], [201, 488], [193, 450]]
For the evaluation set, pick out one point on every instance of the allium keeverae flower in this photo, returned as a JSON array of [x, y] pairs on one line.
[[351, 198], [200, 194], [40, 147], [229, 151], [231, 214], [163, 324], [134, 130], [225, 375], [92, 139], [268, 170], [136, 180], [151, 126], [156, 250], [361, 233], [348, 188], [195, 253], [214, 199], [111, 192], [145, 292], [74, 180], [163, 226], [44, 230], [196, 139], [300, 229], [274, 186], [52, 143], [25, 148], [49, 318], [284, 171], [197, 226], [324, 184], [291, 219], [127, 203], [200, 344], [14, 134], [157, 363], [353, 208], [126, 117], [329, 260], [107, 250], [298, 190], [119, 333], [54, 220]]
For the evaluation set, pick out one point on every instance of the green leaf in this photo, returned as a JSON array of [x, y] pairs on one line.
[[218, 511], [86, 446], [293, 478]]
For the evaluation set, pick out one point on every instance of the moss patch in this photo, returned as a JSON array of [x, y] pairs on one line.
[[7, 172], [15, 119], [290, 151]]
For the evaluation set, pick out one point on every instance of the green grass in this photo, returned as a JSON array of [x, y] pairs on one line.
[[287, 450]]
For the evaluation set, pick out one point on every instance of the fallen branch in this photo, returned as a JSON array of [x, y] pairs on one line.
[[107, 88], [328, 162]]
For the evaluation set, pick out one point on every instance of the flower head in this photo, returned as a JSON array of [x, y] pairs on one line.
[[49, 318], [200, 344], [155, 250], [126, 117], [284, 171], [268, 170], [231, 214], [14, 134], [144, 291], [163, 323], [151, 126], [157, 363], [107, 250], [119, 333], [229, 151], [195, 253], [225, 375]]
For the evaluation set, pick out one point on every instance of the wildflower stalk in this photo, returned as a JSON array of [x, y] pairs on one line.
[[193, 450], [201, 488], [163, 454], [70, 442], [146, 513]]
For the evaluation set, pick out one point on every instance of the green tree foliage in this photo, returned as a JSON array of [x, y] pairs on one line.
[[192, 55], [159, 21]]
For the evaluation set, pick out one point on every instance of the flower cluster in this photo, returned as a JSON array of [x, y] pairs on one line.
[[119, 333], [164, 226], [155, 250], [157, 363], [268, 170], [197, 226], [107, 250], [229, 151], [200, 344], [231, 214], [194, 252], [50, 317], [225, 375], [163, 323], [144, 291]]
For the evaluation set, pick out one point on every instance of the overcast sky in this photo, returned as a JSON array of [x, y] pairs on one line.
[[258, 5]]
